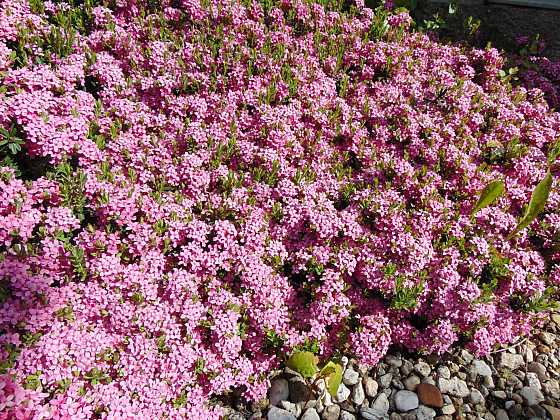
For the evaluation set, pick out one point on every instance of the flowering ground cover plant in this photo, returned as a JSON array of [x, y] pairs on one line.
[[193, 189]]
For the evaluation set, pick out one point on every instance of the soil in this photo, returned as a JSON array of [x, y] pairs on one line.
[[500, 24]]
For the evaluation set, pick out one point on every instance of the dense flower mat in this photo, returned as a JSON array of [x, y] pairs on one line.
[[192, 189]]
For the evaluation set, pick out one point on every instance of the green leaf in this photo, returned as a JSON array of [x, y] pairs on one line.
[[487, 196], [536, 204], [303, 362], [332, 372]]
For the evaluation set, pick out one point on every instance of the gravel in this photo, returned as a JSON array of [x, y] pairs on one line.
[[518, 382]]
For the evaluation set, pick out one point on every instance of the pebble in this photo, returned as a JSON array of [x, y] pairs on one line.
[[475, 396], [531, 396], [423, 368], [510, 361], [276, 413], [533, 380], [310, 414], [429, 395], [539, 369], [342, 394], [481, 368], [411, 382], [448, 409], [299, 390], [373, 414], [350, 377], [385, 380], [394, 361], [371, 386], [501, 414], [500, 395], [381, 403], [279, 391], [443, 372], [454, 386], [406, 401], [291, 407], [345, 415], [546, 338], [358, 394], [424, 413], [332, 412], [553, 411]]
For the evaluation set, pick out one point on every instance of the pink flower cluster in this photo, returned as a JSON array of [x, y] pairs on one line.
[[228, 182]]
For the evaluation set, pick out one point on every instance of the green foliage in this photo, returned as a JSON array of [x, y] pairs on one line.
[[8, 362], [273, 340], [33, 381], [77, 260], [546, 301], [536, 204], [65, 314], [492, 273], [30, 339], [72, 187], [404, 298], [332, 372], [96, 376], [304, 362], [488, 195]]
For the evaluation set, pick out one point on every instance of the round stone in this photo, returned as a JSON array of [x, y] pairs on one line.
[[371, 386], [531, 396], [350, 377], [406, 400], [430, 395], [279, 391]]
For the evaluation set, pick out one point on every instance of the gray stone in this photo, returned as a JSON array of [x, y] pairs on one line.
[[539, 369], [394, 361], [276, 413], [350, 377], [500, 395], [423, 368], [488, 382], [291, 407], [345, 415], [448, 409], [385, 380], [475, 396], [424, 413], [481, 368], [310, 414], [531, 396], [342, 394], [279, 391], [332, 412], [466, 356], [406, 401], [552, 389], [546, 338], [304, 405], [299, 390], [501, 414], [381, 403], [443, 372], [509, 404], [510, 361], [454, 386], [407, 368], [358, 395], [371, 386], [373, 414], [533, 380], [411, 382]]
